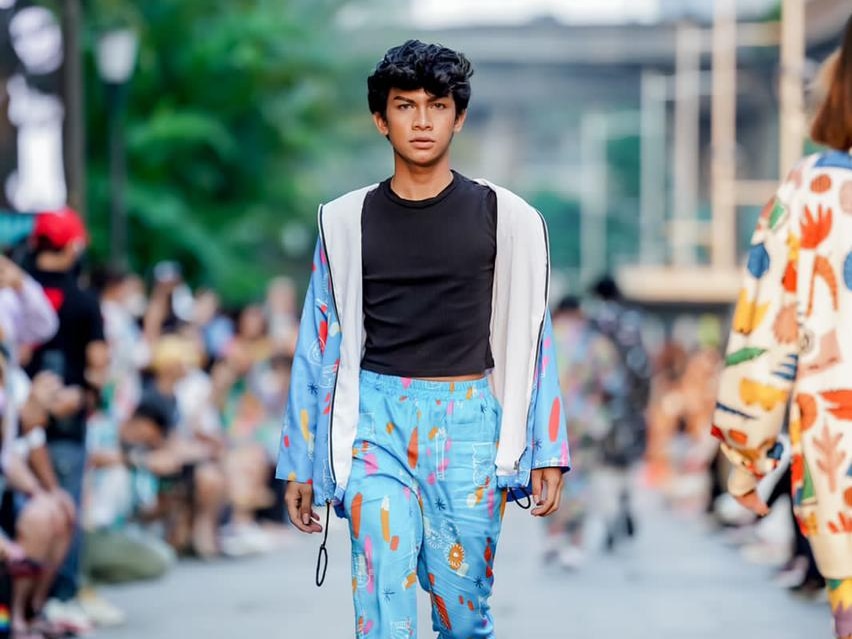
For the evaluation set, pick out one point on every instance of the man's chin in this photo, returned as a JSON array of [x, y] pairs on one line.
[[422, 160]]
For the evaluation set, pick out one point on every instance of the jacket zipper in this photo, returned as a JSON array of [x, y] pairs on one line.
[[541, 325], [336, 372]]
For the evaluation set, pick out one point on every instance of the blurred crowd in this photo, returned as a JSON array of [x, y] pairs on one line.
[[640, 393], [140, 424]]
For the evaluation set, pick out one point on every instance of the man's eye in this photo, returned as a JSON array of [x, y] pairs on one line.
[[440, 105]]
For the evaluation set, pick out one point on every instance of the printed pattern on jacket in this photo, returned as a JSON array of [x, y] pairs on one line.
[[309, 430], [790, 344]]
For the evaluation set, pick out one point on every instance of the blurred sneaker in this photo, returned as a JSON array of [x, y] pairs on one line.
[[100, 611], [765, 553], [69, 616], [245, 540], [812, 589], [571, 558], [791, 573]]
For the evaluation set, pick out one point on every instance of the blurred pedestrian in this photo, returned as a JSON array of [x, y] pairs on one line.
[[392, 418], [589, 374], [624, 444], [790, 338]]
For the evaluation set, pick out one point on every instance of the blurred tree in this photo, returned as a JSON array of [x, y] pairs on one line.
[[563, 225], [232, 106]]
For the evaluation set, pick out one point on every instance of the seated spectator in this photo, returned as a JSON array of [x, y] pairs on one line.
[[186, 483]]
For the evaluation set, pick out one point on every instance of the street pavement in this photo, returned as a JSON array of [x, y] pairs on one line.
[[676, 581]]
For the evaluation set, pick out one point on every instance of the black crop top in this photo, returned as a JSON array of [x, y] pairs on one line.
[[428, 270]]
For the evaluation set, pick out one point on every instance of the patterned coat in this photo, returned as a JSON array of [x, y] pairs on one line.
[[791, 343]]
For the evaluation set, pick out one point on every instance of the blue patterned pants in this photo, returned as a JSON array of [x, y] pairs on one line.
[[423, 505]]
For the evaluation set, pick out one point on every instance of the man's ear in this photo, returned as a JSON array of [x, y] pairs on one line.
[[381, 123], [460, 120]]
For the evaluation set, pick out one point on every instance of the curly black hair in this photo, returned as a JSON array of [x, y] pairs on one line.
[[417, 65]]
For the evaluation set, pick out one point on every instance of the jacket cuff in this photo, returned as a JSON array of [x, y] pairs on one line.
[[741, 482]]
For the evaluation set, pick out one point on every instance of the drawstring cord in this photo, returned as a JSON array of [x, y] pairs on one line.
[[322, 556], [522, 505]]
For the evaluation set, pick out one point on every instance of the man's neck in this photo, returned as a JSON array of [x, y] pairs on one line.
[[420, 183]]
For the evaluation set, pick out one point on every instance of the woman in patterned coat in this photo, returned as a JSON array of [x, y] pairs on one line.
[[791, 343]]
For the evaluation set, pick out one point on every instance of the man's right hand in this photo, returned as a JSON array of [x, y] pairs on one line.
[[298, 498]]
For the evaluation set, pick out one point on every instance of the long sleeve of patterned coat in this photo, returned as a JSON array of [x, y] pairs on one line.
[[791, 329], [296, 455], [550, 432], [762, 354]]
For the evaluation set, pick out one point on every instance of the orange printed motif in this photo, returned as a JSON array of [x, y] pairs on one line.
[[808, 409], [843, 524], [840, 403], [413, 449], [355, 517], [738, 437], [823, 270], [821, 183], [456, 556], [815, 229]]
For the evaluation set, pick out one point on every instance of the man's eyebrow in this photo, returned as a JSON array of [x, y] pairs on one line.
[[404, 99]]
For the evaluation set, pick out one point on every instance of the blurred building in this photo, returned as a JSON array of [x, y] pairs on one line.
[[607, 127]]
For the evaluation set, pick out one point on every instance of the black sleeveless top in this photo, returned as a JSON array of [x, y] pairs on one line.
[[428, 268]]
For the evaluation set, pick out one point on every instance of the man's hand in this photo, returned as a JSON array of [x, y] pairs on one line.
[[753, 502], [298, 498], [547, 491], [11, 275], [44, 388], [67, 402]]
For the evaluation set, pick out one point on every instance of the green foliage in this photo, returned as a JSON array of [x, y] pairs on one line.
[[232, 107], [563, 223]]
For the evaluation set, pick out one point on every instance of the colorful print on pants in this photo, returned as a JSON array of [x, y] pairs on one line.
[[423, 505], [840, 598]]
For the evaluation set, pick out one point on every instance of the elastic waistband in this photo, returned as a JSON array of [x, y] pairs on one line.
[[422, 387]]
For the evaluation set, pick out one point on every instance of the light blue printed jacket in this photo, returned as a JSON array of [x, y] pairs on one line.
[[322, 415]]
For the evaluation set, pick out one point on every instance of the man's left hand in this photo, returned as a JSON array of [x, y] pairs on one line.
[[547, 491]]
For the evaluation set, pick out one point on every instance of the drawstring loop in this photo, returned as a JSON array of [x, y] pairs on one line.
[[322, 556], [522, 505]]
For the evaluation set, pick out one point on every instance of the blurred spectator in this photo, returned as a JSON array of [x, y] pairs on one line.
[[217, 329], [171, 302], [77, 354], [186, 482], [250, 435], [253, 335], [282, 314]]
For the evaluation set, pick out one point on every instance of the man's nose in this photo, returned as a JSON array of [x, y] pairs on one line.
[[422, 121]]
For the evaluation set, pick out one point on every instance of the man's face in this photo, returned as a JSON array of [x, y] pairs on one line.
[[420, 126]]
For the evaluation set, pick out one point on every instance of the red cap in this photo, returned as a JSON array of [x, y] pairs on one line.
[[60, 228]]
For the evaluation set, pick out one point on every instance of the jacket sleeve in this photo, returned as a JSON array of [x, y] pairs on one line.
[[763, 348], [550, 432], [296, 452], [36, 321]]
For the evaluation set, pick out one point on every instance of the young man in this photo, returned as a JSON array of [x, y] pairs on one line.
[[422, 286]]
